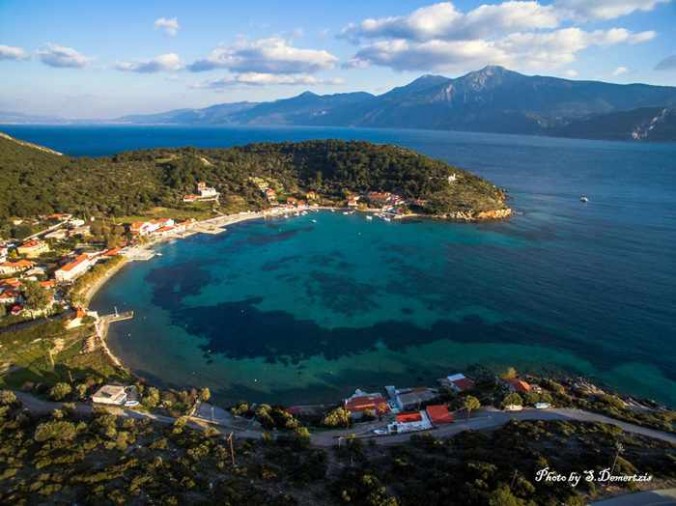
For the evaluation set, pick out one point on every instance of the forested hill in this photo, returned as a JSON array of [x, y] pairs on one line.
[[34, 181]]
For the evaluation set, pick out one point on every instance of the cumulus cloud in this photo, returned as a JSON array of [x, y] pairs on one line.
[[530, 50], [518, 34], [163, 63], [268, 56], [571, 73], [444, 21], [620, 70], [55, 55], [669, 63], [169, 26], [264, 79], [12, 53], [587, 10]]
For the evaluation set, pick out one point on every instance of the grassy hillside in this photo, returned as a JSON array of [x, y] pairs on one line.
[[33, 181]]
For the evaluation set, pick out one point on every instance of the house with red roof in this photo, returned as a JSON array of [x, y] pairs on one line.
[[73, 269], [458, 382], [362, 403], [33, 248], [439, 414], [518, 385], [14, 267]]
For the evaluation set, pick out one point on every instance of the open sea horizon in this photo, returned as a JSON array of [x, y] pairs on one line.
[[292, 311]]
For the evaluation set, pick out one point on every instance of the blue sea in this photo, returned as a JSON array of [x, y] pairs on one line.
[[293, 311]]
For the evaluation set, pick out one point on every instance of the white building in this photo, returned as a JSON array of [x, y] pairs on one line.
[[73, 269], [115, 395]]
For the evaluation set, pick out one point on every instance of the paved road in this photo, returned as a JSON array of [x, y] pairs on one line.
[[650, 498], [482, 420], [489, 419]]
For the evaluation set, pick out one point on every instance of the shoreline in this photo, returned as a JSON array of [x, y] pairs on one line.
[[216, 225]]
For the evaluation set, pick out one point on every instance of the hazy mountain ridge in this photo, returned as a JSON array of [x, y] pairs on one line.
[[493, 99]]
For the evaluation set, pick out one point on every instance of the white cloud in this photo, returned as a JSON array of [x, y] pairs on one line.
[[444, 21], [264, 79], [620, 70], [169, 26], [523, 50], [587, 10], [668, 63], [520, 34], [571, 73], [55, 55], [12, 53], [272, 56], [163, 63]]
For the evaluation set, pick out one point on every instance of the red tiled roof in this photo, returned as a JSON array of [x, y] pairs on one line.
[[439, 413], [520, 385], [78, 260], [409, 416], [463, 384], [376, 403], [21, 264]]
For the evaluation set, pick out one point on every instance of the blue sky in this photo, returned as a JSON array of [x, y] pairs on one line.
[[88, 59]]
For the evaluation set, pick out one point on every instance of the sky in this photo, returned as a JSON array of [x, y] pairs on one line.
[[89, 59]]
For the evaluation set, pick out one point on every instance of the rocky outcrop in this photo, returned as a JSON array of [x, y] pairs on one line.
[[494, 214]]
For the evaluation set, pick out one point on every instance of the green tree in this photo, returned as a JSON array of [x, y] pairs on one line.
[[531, 398], [59, 391], [339, 417], [151, 398], [7, 397], [57, 429], [509, 374], [471, 403], [36, 296], [502, 496], [205, 394], [512, 399]]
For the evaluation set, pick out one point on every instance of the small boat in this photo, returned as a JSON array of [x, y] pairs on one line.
[[314, 221], [345, 213], [584, 199], [369, 218], [387, 218]]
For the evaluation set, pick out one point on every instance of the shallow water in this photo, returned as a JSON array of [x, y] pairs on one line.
[[292, 311]]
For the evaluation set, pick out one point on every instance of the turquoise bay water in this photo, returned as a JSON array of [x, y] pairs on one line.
[[294, 311]]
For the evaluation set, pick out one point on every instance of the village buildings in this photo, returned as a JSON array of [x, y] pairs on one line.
[[73, 269], [204, 194], [362, 403], [33, 248], [10, 267]]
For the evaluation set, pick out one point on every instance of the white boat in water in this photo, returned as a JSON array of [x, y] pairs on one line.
[[369, 218], [584, 199]]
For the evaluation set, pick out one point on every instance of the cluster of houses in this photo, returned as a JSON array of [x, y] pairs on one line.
[[289, 202], [410, 409], [385, 202], [419, 409], [23, 261]]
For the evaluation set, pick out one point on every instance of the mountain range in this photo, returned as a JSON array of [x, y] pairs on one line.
[[493, 99]]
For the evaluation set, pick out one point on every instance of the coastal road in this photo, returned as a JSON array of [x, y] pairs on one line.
[[488, 419], [649, 498], [485, 419]]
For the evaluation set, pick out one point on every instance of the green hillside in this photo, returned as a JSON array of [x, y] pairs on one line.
[[34, 181]]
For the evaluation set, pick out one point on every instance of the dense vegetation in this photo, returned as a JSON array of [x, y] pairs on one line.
[[34, 182], [69, 457]]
